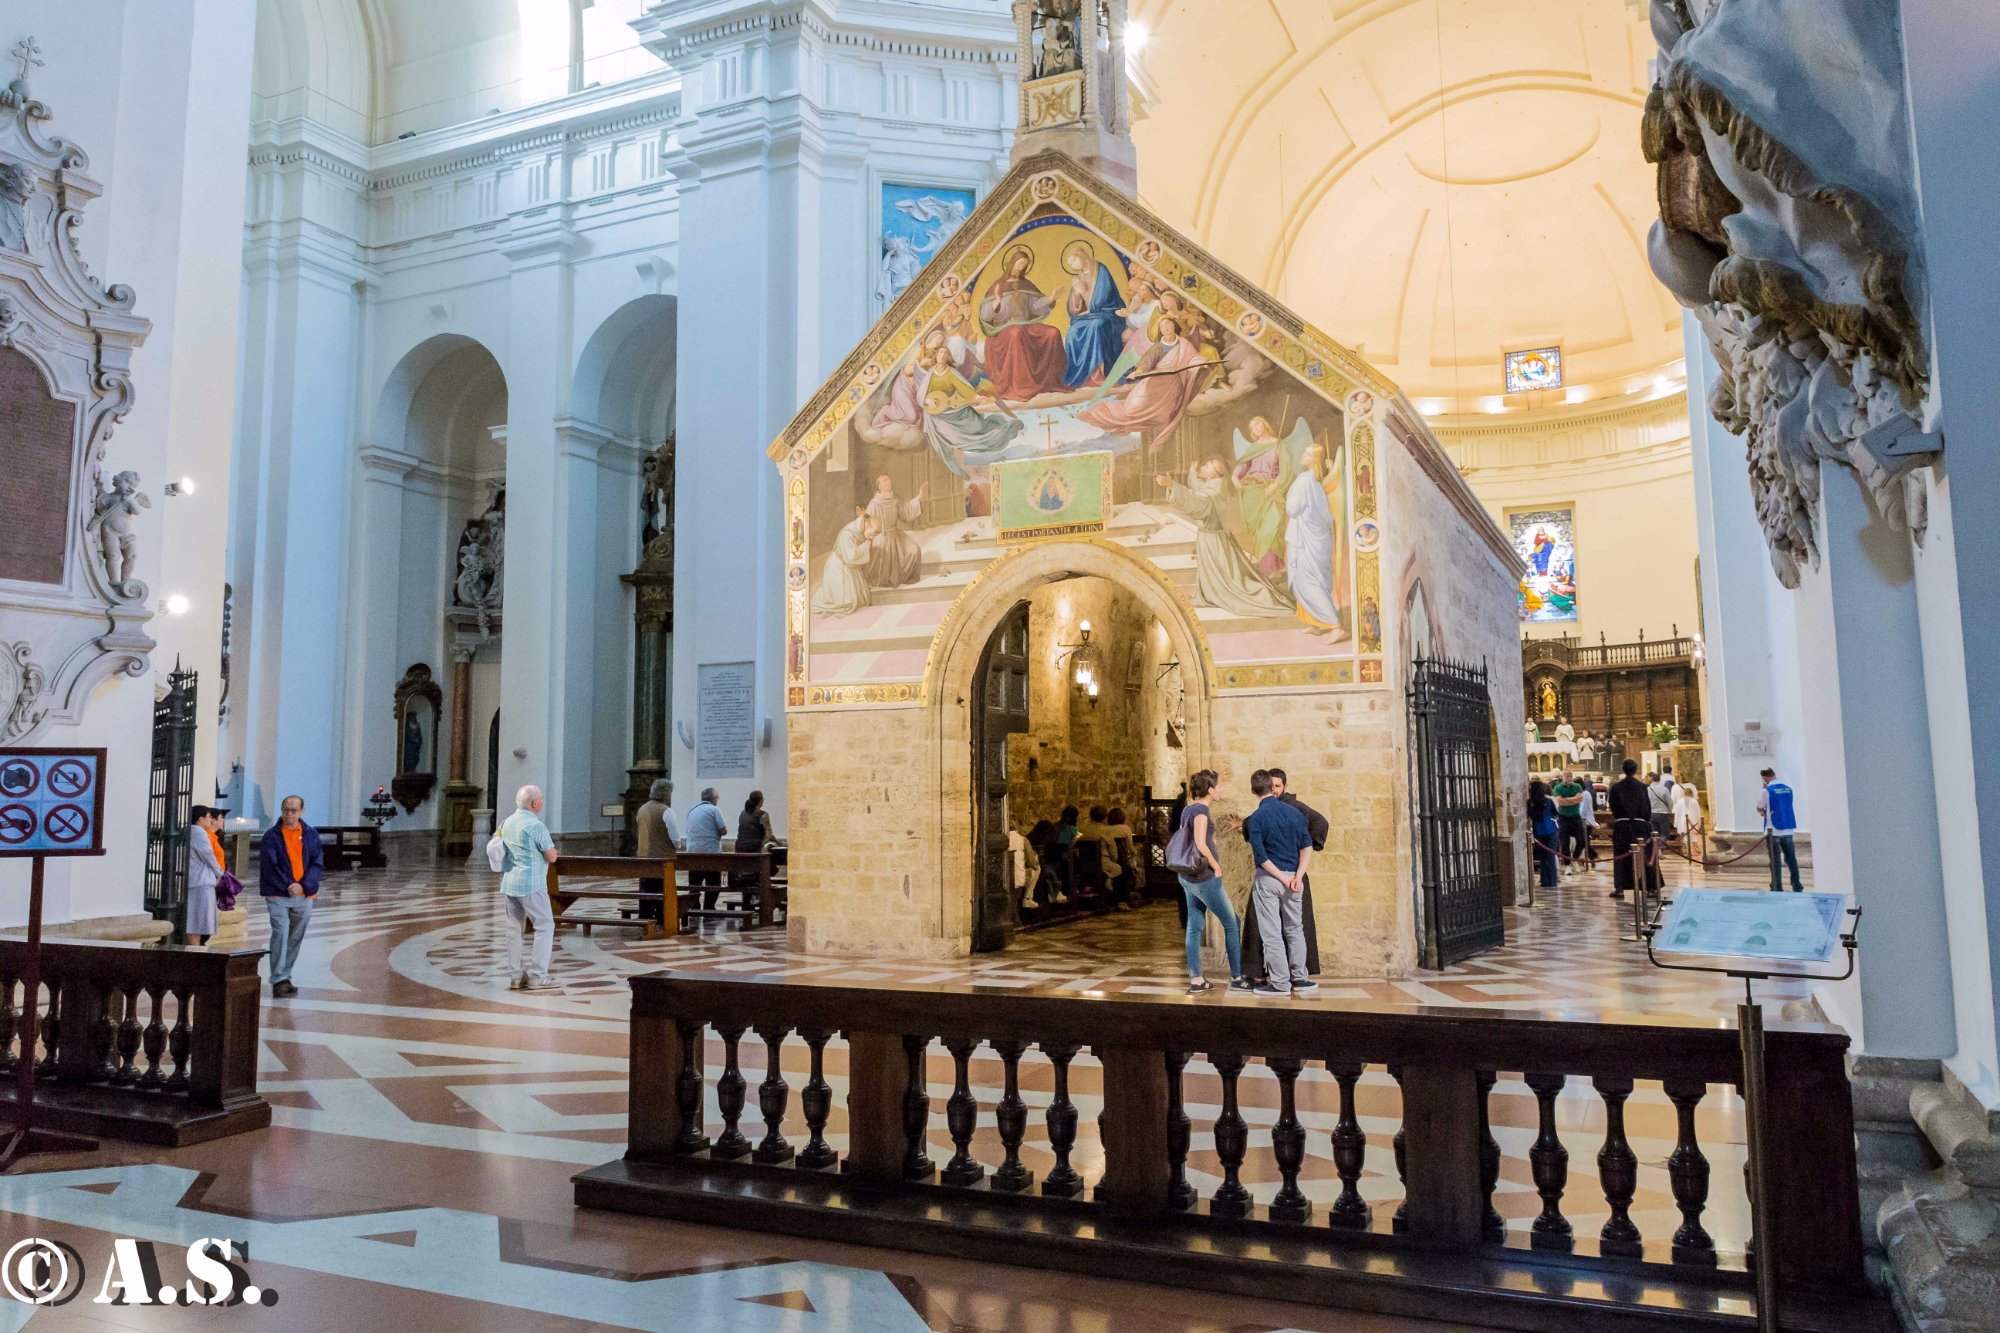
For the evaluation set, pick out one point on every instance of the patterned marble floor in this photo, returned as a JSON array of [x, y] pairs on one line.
[[426, 1122]]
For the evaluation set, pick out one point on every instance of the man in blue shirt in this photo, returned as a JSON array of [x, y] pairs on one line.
[[525, 882], [1781, 827], [1281, 849], [706, 830]]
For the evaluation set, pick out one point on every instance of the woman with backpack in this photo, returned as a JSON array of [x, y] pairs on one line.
[[1191, 856]]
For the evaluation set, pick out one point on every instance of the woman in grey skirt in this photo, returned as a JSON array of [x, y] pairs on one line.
[[204, 870]]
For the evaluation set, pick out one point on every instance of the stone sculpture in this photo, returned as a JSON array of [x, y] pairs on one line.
[[114, 519], [482, 560], [1788, 225], [15, 187]]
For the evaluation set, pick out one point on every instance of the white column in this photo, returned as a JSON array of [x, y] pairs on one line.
[[373, 607], [1952, 56], [1751, 674], [1868, 755]]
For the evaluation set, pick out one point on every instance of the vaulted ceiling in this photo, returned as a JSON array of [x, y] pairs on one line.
[[1435, 181]]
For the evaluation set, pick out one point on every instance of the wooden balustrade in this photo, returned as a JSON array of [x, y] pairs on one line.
[[1441, 1251], [147, 1043]]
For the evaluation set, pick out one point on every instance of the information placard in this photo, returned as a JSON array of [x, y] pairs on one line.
[[725, 741], [1753, 923], [51, 802]]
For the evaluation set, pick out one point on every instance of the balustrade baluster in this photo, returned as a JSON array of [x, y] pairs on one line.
[[1550, 1161], [1489, 1155], [1232, 1140], [917, 1163], [729, 1094], [961, 1116], [1350, 1151], [1401, 1221], [1062, 1181], [180, 1040], [1618, 1170], [104, 1041], [817, 1099], [772, 1095], [689, 1086], [1288, 1143], [1180, 1194], [1011, 1115], [154, 1041], [10, 1024], [128, 1040], [1687, 1168], [46, 1068]]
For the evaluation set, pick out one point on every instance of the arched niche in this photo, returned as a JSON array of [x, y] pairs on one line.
[[320, 59], [625, 381], [442, 403]]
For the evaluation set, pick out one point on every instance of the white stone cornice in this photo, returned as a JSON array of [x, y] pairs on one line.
[[543, 236], [387, 463], [586, 440]]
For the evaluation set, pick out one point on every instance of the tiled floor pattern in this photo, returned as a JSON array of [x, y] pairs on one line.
[[426, 1121]]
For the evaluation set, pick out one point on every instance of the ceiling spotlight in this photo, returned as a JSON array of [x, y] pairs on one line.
[[1429, 407], [185, 486], [176, 604], [1136, 36], [1574, 396]]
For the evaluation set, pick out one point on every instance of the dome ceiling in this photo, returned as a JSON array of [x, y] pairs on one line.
[[1432, 181]]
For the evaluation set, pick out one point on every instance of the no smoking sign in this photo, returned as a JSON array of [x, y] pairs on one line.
[[51, 802]]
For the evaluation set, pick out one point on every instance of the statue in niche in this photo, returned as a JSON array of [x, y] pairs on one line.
[[15, 187], [482, 558], [1549, 700], [113, 519], [657, 500], [1053, 29]]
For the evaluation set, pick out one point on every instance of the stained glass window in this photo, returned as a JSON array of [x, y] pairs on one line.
[[1546, 540], [1537, 368]]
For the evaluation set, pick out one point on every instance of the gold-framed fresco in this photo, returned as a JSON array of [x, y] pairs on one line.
[[1230, 445]]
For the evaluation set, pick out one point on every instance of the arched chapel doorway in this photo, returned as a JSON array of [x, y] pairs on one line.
[[1078, 702]]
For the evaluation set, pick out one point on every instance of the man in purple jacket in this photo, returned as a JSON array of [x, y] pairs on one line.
[[289, 865]]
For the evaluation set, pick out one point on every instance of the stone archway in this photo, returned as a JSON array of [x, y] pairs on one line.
[[948, 693]]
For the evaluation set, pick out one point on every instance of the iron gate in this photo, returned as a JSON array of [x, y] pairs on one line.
[[169, 802], [1451, 720]]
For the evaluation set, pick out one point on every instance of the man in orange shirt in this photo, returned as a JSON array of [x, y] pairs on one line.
[[289, 866]]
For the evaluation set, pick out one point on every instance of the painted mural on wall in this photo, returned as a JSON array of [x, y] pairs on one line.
[[1546, 540], [1072, 377], [915, 220]]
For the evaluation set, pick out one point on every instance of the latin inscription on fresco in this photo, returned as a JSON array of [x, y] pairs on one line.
[[725, 744], [37, 445]]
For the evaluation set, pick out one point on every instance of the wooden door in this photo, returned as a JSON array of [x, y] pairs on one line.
[[1000, 708]]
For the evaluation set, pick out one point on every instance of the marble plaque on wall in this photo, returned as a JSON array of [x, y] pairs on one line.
[[725, 739], [37, 452]]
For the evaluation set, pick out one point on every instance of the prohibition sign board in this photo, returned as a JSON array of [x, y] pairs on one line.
[[51, 802]]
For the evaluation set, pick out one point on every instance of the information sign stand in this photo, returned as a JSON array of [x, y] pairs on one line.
[[1754, 926], [51, 804]]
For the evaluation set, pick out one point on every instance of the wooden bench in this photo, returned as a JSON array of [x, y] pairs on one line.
[[352, 847], [635, 868]]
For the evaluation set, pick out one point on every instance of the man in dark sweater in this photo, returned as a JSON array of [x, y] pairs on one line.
[[1280, 849], [1317, 828], [1631, 826]]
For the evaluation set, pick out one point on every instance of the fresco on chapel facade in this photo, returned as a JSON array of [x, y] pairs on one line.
[[1072, 373]]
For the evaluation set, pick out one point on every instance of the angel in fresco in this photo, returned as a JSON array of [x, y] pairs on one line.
[[1169, 378], [843, 582], [961, 336], [1223, 577], [964, 435], [1024, 355], [1315, 555], [1096, 333], [1265, 466]]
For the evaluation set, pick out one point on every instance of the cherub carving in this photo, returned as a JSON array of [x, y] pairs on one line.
[[113, 518]]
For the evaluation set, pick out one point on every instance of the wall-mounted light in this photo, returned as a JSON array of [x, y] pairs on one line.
[[184, 486], [1086, 675], [176, 604]]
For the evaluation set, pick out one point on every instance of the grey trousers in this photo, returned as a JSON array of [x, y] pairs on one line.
[[532, 906], [1281, 924]]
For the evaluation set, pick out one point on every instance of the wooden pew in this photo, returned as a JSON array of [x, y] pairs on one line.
[[352, 846], [769, 897]]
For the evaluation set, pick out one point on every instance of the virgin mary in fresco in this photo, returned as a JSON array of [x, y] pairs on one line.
[[1024, 356], [1096, 332]]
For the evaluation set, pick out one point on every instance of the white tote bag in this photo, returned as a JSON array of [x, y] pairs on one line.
[[496, 854]]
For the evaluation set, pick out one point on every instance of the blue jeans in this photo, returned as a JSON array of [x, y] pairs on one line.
[[1208, 896], [1782, 844], [289, 919]]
